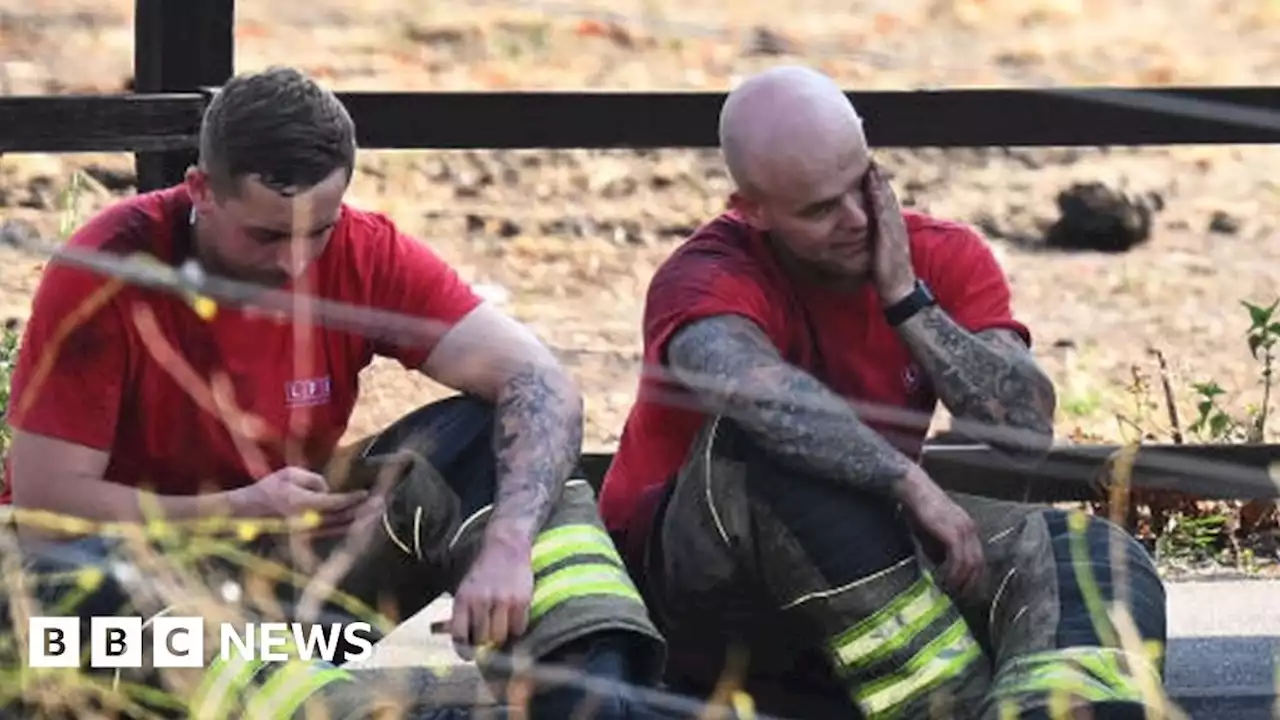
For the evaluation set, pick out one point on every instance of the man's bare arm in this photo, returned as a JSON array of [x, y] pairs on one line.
[[729, 364], [66, 479], [988, 377], [538, 409]]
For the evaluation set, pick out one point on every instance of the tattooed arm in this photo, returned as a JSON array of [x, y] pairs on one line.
[[732, 367], [537, 440], [988, 377], [538, 423]]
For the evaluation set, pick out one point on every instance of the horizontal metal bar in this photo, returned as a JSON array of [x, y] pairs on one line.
[[933, 118], [1069, 473], [100, 123], [603, 119]]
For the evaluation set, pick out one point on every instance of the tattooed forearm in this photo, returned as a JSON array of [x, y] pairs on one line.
[[989, 378], [729, 364], [537, 440]]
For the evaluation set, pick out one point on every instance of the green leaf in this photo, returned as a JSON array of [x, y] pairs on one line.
[[1209, 389], [1259, 316], [1219, 425], [1255, 342]]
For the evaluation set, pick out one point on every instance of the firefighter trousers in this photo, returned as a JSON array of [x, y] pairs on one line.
[[819, 601], [442, 482]]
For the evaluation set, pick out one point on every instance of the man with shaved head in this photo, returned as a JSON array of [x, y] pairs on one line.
[[768, 491]]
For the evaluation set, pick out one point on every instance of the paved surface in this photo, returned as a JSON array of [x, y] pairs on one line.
[[1222, 660], [1223, 650]]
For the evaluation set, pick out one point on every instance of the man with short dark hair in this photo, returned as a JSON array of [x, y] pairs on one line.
[[781, 530], [127, 399]]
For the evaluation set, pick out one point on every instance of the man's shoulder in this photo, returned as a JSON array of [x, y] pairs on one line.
[[363, 240], [725, 234], [138, 223], [945, 245], [366, 231], [720, 246], [373, 236], [141, 223], [933, 233]]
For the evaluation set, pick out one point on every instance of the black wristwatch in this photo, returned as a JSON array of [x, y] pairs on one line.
[[903, 310]]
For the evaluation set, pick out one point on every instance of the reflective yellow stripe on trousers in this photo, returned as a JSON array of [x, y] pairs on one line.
[[894, 628], [233, 683], [588, 565], [1093, 674], [290, 687]]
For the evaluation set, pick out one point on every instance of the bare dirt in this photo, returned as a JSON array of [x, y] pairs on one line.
[[571, 238]]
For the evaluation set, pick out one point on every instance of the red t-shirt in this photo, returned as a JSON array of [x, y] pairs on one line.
[[725, 267], [86, 373]]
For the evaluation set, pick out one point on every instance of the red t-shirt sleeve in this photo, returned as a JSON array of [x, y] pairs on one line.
[[970, 284], [699, 283], [411, 279], [71, 365]]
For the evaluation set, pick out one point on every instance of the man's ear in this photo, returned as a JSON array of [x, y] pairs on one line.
[[750, 209], [200, 189]]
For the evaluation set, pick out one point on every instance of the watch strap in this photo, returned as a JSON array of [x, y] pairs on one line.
[[906, 308]]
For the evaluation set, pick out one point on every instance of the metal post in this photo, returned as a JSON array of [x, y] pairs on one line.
[[179, 46]]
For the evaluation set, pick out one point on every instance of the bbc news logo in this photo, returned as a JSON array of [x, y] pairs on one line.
[[179, 642]]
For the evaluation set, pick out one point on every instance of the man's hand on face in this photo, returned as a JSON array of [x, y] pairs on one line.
[[491, 606], [292, 493], [892, 271]]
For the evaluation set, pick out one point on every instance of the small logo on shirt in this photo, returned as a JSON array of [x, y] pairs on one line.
[[308, 392], [912, 377]]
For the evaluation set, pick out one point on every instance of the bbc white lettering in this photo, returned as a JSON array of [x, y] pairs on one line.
[[53, 642], [179, 642], [115, 642]]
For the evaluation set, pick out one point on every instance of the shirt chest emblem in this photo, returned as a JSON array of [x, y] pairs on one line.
[[912, 378], [308, 392]]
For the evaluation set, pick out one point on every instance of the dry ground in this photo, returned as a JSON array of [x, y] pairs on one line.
[[572, 237]]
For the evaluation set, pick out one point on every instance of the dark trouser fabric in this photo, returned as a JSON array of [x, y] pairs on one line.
[[436, 518], [585, 608], [1073, 608], [820, 603]]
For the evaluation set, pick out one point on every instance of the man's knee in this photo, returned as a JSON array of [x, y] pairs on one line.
[[439, 511], [445, 467], [833, 569], [1098, 564], [585, 613], [438, 469], [452, 435], [1060, 573], [582, 587], [1066, 577], [760, 506]]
